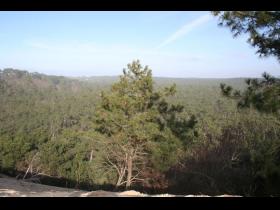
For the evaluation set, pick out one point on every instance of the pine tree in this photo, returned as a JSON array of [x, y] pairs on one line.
[[142, 129], [263, 28]]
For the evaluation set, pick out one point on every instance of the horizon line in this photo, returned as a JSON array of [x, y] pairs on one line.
[[163, 77]]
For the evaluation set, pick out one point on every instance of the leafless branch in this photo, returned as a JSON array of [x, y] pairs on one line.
[[30, 166], [114, 165]]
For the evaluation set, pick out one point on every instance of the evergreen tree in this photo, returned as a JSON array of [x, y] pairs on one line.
[[263, 28], [142, 129], [264, 34]]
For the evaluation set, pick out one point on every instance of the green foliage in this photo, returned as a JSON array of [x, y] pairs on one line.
[[264, 31], [53, 121], [242, 160], [262, 26], [134, 116], [263, 95]]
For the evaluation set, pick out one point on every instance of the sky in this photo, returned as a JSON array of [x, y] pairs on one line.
[[172, 44]]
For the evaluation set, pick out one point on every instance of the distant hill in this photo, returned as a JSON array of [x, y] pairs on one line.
[[27, 81]]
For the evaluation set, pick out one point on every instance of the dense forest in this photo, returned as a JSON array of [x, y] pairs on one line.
[[136, 131]]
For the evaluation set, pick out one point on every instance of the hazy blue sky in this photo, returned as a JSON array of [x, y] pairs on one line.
[[172, 44]]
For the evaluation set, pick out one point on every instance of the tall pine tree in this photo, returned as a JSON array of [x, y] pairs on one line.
[[142, 130]]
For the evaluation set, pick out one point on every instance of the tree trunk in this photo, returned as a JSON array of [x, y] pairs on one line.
[[129, 171], [119, 182], [121, 175]]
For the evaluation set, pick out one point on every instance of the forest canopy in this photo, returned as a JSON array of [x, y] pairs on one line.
[[188, 139], [151, 134]]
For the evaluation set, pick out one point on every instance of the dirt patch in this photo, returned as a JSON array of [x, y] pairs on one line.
[[10, 187]]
